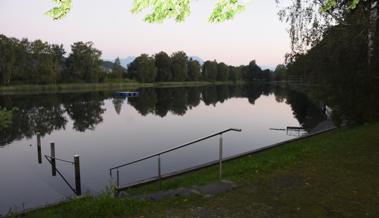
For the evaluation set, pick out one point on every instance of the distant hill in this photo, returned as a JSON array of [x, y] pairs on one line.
[[126, 61], [198, 59], [264, 67], [108, 65]]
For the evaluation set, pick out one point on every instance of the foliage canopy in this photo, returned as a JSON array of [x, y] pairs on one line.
[[163, 9]]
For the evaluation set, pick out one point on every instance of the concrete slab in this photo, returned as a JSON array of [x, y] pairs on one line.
[[205, 190], [180, 192], [215, 188]]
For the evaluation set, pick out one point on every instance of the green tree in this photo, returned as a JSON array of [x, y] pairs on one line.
[[7, 59], [83, 64], [266, 75], [163, 64], [234, 74], [179, 67], [58, 53], [210, 70], [143, 69], [163, 9], [252, 71], [193, 70], [45, 66], [338, 65], [117, 69], [23, 58], [309, 20], [5, 118], [280, 72], [222, 72], [29, 62]]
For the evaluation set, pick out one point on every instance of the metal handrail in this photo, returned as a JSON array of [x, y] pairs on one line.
[[173, 149], [60, 159]]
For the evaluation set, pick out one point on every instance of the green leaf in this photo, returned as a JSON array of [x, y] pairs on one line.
[[225, 10], [163, 9], [330, 4], [60, 10]]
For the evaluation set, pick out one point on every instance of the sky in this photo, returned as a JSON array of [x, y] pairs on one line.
[[255, 34]]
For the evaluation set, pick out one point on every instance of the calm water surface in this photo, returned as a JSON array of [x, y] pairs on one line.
[[106, 130]]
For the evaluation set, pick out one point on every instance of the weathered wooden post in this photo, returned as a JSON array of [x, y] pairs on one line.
[[39, 150], [53, 162], [118, 179], [159, 171], [220, 158], [78, 187]]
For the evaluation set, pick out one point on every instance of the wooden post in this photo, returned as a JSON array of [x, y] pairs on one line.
[[39, 150], [118, 179], [159, 171], [220, 158], [53, 162], [78, 187]]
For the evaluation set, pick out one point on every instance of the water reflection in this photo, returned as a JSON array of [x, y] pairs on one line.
[[47, 113], [107, 130], [85, 109]]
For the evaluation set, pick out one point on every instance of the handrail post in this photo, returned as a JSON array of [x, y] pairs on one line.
[[39, 150], [159, 170], [78, 186], [53, 162], [220, 157], [118, 179]]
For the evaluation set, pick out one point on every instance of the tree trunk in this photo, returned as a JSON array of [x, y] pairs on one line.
[[372, 31]]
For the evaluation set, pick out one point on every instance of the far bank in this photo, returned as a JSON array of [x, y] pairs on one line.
[[78, 87]]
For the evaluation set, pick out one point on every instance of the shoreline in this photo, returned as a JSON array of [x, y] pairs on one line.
[[194, 169], [297, 174], [84, 87]]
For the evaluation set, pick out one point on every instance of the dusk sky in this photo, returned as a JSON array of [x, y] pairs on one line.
[[256, 33]]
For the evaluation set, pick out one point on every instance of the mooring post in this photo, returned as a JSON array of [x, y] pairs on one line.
[[77, 175], [53, 163], [220, 158], [159, 171], [118, 179], [39, 150]]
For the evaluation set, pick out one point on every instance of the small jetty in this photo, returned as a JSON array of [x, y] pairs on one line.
[[294, 128], [289, 128], [126, 94]]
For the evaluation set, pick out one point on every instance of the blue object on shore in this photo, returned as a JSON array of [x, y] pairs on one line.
[[127, 94]]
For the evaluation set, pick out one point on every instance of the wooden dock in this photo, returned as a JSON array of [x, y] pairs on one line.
[[127, 94]]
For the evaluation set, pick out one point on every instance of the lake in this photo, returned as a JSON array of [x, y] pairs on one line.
[[106, 130]]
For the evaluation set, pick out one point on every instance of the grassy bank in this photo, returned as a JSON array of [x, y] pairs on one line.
[[115, 85], [329, 175]]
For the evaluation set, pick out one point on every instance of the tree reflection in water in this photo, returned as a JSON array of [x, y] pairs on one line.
[[46, 113]]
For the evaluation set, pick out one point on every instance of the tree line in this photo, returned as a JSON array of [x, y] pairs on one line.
[[38, 62], [179, 67], [340, 66]]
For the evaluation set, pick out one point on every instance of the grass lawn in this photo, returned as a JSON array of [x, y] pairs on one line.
[[330, 175], [109, 85]]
